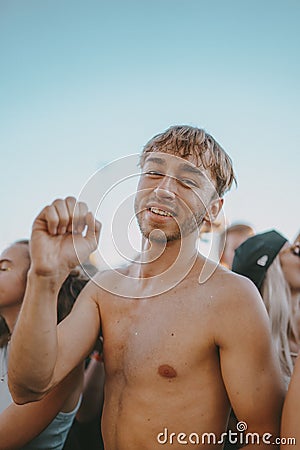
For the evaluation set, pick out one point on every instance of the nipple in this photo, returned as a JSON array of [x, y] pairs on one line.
[[167, 371]]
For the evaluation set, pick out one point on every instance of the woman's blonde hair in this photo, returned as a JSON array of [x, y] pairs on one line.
[[277, 298]]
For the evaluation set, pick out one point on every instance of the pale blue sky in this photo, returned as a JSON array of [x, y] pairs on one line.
[[85, 82]]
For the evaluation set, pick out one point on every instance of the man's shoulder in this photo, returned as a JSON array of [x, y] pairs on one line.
[[237, 306], [228, 288], [110, 281], [106, 274], [233, 280]]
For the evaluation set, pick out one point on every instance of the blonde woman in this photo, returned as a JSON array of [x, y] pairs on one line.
[[273, 264]]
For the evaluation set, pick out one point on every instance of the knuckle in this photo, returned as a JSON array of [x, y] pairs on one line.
[[64, 219], [48, 209], [57, 201], [70, 200], [82, 206]]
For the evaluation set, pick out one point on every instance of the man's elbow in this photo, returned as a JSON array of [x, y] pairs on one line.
[[22, 394]]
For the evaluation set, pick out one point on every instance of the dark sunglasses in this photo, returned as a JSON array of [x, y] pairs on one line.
[[295, 249]]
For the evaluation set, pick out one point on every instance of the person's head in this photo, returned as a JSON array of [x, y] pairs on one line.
[[185, 172], [254, 257], [274, 266], [290, 264], [14, 265], [230, 239]]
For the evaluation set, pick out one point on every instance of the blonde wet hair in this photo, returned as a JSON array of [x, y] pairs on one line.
[[184, 141]]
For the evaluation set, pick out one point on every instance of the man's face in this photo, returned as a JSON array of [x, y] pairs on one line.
[[172, 197]]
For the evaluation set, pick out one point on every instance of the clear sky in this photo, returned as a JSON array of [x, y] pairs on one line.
[[85, 82]]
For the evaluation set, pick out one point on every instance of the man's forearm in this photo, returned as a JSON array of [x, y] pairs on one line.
[[33, 350]]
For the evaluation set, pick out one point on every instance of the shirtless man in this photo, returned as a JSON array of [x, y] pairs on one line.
[[178, 352]]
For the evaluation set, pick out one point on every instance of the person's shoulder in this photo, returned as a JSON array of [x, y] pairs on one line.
[[237, 307], [213, 273], [110, 274], [232, 290], [234, 281], [109, 281]]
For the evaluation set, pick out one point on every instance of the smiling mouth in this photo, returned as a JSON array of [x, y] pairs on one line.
[[160, 212]]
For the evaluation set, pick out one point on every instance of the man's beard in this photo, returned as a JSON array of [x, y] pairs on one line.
[[161, 237]]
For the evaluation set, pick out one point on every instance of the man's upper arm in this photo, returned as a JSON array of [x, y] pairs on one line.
[[250, 367], [78, 332]]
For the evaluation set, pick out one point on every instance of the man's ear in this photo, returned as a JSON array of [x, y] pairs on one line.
[[213, 210]]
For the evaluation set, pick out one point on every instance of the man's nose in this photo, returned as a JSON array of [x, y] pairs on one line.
[[166, 187]]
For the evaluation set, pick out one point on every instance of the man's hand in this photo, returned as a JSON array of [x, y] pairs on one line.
[[58, 243]]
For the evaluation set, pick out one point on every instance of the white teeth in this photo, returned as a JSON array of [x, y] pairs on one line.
[[160, 212]]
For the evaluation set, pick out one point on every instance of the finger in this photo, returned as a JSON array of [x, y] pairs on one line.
[[77, 211], [51, 218], [81, 210], [93, 231], [98, 226], [70, 202], [63, 214]]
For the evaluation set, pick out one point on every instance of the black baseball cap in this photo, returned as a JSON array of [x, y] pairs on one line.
[[254, 256]]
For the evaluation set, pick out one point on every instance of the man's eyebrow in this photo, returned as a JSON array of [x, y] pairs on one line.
[[5, 260], [185, 167], [191, 169], [155, 159]]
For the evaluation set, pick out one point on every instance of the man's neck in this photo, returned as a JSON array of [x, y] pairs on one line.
[[166, 259]]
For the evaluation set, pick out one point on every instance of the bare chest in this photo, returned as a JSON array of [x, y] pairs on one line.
[[163, 337]]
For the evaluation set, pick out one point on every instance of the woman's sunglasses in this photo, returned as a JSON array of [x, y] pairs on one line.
[[295, 249]]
